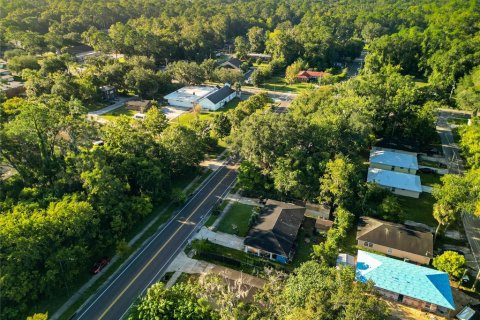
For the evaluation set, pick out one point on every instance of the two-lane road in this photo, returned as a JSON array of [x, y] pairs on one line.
[[113, 300]]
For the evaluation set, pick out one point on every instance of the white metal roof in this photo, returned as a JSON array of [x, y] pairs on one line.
[[394, 158], [394, 179], [190, 94]]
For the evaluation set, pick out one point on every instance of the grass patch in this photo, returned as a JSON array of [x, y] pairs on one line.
[[304, 249], [238, 215], [429, 179], [418, 210], [112, 115], [215, 213], [278, 83], [188, 117]]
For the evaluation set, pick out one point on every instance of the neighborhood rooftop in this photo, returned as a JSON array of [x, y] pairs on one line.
[[277, 228], [190, 94], [394, 158], [405, 278], [220, 94], [396, 236], [394, 179]]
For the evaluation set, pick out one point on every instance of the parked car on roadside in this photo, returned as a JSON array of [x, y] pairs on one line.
[[99, 265]]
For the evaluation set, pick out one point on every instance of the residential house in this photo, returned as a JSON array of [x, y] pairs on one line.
[[316, 211], [311, 76], [403, 184], [12, 89], [81, 52], [141, 106], [232, 63], [3, 64], [188, 97], [275, 233], [247, 76], [218, 98], [395, 160], [323, 225], [4, 72], [395, 240], [109, 93], [416, 286]]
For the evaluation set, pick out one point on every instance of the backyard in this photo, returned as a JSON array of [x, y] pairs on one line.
[[418, 210], [236, 220], [305, 241], [430, 179]]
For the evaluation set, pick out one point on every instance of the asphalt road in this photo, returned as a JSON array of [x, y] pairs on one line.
[[147, 266]]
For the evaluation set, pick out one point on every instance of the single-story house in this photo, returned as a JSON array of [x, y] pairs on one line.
[[323, 225], [247, 75], [345, 259], [81, 52], [307, 75], [141, 106], [188, 97], [420, 287], [218, 98], [264, 56], [232, 63], [395, 240], [403, 184], [12, 89], [108, 93], [275, 233], [395, 160]]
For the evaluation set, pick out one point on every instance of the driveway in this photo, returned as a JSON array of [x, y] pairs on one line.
[[220, 238]]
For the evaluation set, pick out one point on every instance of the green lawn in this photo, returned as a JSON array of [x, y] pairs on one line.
[[429, 179], [215, 213], [278, 83], [418, 210], [304, 248], [239, 215], [235, 259], [118, 112], [188, 117]]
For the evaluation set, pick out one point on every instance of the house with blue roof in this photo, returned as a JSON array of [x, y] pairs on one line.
[[407, 283]]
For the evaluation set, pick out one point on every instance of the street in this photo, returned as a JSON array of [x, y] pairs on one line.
[[455, 166], [148, 265]]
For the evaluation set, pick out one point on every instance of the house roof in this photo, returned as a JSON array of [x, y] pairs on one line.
[[311, 74], [394, 158], [395, 236], [277, 228], [220, 94], [394, 179], [344, 259], [247, 74], [80, 49], [191, 94], [405, 278], [234, 62]]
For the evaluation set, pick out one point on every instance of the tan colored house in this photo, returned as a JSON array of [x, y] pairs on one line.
[[139, 105], [395, 240], [323, 225]]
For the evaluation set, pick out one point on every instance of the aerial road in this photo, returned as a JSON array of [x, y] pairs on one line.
[[114, 299]]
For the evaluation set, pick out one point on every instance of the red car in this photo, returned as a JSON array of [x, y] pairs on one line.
[[99, 265]]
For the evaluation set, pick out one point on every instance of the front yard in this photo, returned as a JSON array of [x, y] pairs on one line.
[[278, 83], [112, 115], [236, 220]]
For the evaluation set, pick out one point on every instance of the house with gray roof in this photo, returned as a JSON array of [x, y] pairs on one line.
[[395, 240], [218, 98], [232, 63], [275, 233]]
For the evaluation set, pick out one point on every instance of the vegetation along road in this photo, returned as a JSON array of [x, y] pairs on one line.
[[114, 300]]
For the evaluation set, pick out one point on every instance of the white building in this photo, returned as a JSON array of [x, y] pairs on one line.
[[218, 98], [396, 160], [403, 184], [209, 98], [188, 97]]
